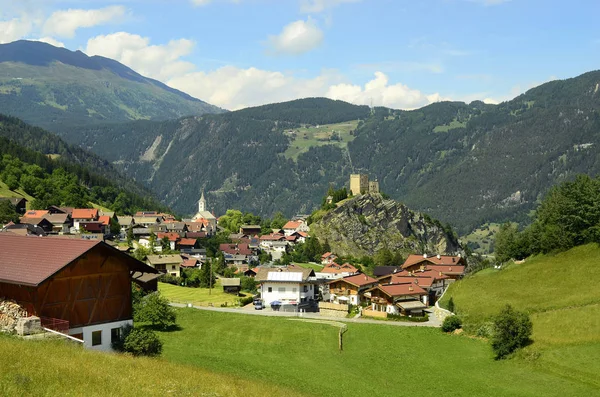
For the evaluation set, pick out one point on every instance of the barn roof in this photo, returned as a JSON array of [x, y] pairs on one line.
[[30, 260]]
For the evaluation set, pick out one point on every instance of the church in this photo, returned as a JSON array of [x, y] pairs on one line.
[[205, 216]]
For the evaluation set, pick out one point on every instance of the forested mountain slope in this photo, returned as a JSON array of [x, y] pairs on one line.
[[53, 88], [55, 173], [462, 163]]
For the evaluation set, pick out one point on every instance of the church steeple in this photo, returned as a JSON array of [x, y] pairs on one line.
[[202, 203]]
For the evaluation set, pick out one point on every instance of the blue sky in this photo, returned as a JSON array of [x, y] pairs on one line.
[[396, 53]]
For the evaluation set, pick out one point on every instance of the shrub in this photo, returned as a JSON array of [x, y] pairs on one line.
[[451, 323], [512, 330], [167, 278], [451, 305], [246, 300], [155, 309], [142, 342]]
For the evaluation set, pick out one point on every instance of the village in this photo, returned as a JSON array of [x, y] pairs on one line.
[[72, 269]]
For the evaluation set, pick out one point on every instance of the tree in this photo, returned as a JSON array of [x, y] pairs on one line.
[[152, 242], [165, 244], [207, 276], [278, 220], [512, 330], [130, 235], [115, 228], [138, 341], [8, 212], [155, 309]]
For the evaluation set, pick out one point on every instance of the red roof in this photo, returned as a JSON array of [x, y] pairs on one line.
[[424, 282], [192, 262], [188, 241], [359, 280], [335, 268], [235, 249], [327, 255], [291, 238], [434, 260], [171, 236], [104, 219], [303, 234], [402, 289], [35, 214], [419, 273], [84, 213], [195, 235], [31, 260], [272, 237], [292, 225]]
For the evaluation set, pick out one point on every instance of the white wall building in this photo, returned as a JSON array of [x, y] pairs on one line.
[[286, 285]]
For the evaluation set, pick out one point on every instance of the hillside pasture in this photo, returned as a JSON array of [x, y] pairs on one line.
[[306, 137], [305, 357]]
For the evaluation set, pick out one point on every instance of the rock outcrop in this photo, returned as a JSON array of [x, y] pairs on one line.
[[368, 223]]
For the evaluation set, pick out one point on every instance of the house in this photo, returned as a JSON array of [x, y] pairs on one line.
[[142, 214], [110, 214], [235, 260], [187, 244], [278, 249], [43, 223], [86, 284], [250, 272], [346, 269], [176, 227], [146, 281], [61, 223], [191, 263], [292, 227], [231, 285], [83, 215], [286, 285], [268, 239], [195, 235], [328, 258], [35, 214], [453, 266], [125, 222], [250, 230], [350, 289], [19, 203], [106, 221], [94, 227], [172, 237], [53, 209], [403, 298], [147, 221], [170, 264], [435, 283]]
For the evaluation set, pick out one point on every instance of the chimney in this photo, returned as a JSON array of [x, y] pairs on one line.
[[439, 256], [410, 288], [424, 255], [440, 274]]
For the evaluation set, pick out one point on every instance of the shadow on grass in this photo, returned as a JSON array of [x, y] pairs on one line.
[[170, 328]]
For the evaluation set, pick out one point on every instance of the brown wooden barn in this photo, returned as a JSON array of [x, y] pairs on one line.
[[87, 283]]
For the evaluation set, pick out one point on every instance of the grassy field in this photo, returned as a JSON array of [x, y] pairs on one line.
[[447, 127], [315, 266], [55, 368], [375, 359], [307, 137], [562, 296], [198, 296], [6, 192]]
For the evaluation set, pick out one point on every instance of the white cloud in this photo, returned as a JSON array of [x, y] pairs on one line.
[[64, 23], [317, 6], [161, 62], [52, 41], [14, 29], [296, 38], [381, 93]]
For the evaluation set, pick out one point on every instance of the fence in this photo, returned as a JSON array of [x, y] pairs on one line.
[[373, 313], [55, 324]]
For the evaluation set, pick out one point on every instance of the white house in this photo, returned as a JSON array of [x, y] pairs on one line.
[[295, 226], [290, 285]]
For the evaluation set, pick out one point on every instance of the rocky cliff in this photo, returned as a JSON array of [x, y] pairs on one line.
[[367, 223]]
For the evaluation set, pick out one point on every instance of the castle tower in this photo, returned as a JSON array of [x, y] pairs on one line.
[[202, 203], [359, 184], [374, 186]]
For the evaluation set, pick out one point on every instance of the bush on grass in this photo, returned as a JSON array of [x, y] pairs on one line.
[[512, 330], [451, 323]]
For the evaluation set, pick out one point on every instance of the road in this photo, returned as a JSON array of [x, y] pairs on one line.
[[433, 321]]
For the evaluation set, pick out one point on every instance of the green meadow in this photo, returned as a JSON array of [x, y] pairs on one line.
[[329, 134], [199, 296]]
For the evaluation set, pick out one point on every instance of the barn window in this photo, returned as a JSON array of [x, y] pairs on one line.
[[96, 338], [270, 289], [115, 335]]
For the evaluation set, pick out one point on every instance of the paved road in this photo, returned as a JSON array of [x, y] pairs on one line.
[[433, 321]]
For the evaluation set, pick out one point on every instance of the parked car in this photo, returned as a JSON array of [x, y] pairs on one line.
[[258, 305]]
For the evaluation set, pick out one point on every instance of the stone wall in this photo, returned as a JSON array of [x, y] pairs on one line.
[[332, 313], [10, 313]]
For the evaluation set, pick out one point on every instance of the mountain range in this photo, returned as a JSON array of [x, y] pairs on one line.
[[466, 164], [53, 88]]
